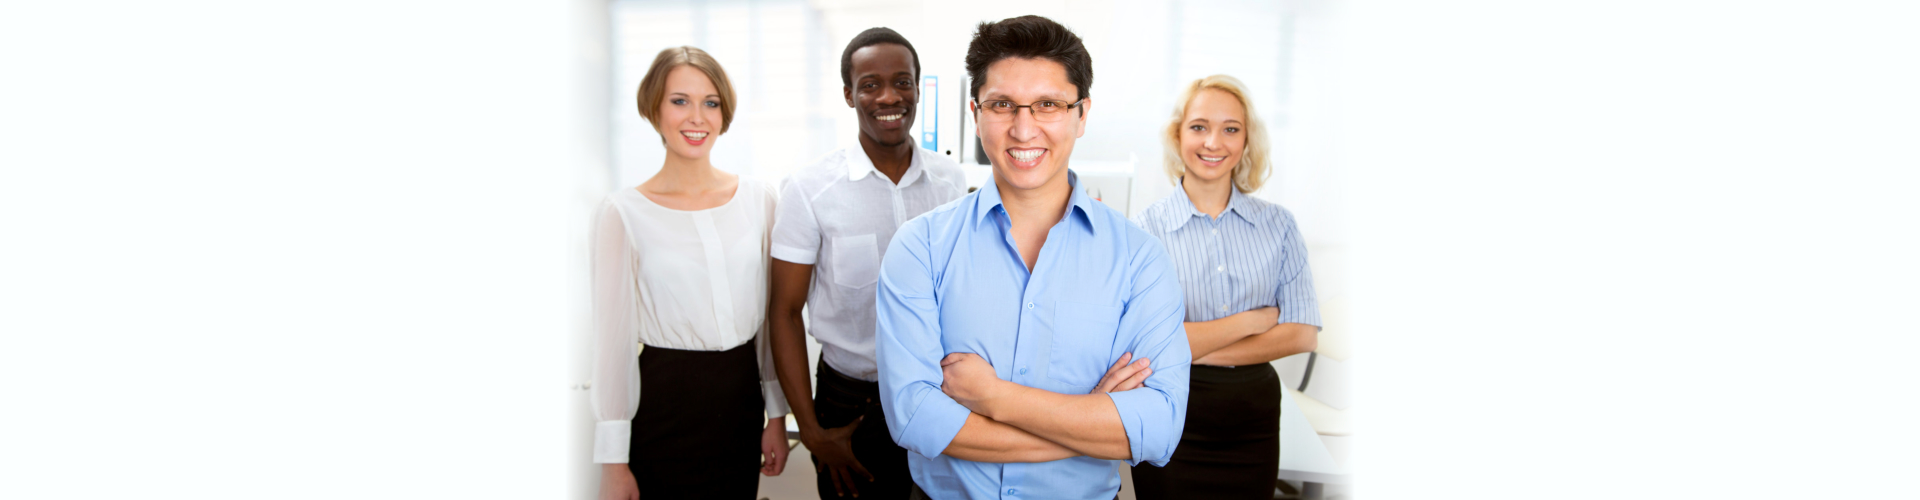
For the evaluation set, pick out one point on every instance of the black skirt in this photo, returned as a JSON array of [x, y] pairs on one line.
[[1230, 446], [697, 434]]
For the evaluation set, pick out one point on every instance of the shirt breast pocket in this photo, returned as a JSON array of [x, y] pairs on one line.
[[856, 261], [1083, 335]]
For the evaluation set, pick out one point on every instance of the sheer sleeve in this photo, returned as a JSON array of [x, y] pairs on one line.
[[616, 371], [769, 378]]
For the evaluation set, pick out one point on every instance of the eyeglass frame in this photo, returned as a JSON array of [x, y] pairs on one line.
[[977, 107]]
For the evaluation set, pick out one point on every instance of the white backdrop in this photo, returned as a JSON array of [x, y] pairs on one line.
[[783, 57], [333, 250]]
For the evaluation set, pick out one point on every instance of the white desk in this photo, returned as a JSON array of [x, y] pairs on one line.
[[1303, 456]]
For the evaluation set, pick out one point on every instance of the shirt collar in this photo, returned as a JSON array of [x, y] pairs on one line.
[[1241, 204], [1238, 204], [859, 166], [1077, 201]]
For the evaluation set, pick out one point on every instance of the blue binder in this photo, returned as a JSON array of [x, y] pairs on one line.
[[930, 113]]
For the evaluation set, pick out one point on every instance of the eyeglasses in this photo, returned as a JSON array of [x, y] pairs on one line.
[[1043, 110]]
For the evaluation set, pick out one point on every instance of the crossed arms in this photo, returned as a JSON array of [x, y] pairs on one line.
[[1016, 423], [942, 402], [1249, 337]]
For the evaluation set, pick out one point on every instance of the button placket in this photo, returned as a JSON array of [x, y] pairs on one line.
[[717, 275], [899, 205]]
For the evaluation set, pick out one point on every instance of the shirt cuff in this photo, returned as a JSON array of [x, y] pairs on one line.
[[1306, 314], [776, 400], [933, 425], [1140, 443], [795, 255], [610, 441]]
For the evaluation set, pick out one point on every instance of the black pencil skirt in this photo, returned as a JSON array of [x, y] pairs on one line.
[[697, 434], [1230, 446]]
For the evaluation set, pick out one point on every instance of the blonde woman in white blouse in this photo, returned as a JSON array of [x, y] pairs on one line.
[[680, 264]]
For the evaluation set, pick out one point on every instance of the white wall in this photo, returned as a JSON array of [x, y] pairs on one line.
[[1143, 50], [257, 243], [590, 69], [783, 57]]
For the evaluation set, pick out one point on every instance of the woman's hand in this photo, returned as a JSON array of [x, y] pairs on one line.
[[970, 381], [616, 483], [1258, 321], [773, 447]]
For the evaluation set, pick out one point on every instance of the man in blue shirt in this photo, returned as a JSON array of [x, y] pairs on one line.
[[999, 313]]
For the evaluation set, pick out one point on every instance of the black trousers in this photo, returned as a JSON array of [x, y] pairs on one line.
[[697, 434], [837, 400], [1230, 446]]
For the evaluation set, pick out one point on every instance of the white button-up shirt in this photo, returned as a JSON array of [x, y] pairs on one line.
[[838, 215]]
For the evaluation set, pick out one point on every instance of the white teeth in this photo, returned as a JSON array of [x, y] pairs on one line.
[[1024, 155], [1212, 158], [892, 117], [695, 135]]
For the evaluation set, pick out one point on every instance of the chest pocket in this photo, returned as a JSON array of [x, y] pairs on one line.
[[856, 261], [1083, 336]]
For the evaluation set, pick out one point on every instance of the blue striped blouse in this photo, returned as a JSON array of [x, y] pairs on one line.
[[1251, 257]]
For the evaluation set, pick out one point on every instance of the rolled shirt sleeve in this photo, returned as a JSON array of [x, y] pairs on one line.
[[796, 234], [907, 345], [1155, 414], [1294, 295]]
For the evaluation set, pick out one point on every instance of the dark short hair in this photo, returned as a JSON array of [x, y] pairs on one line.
[[873, 36], [1028, 37]]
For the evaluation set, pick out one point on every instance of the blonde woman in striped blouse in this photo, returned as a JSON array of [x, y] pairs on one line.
[[1249, 296]]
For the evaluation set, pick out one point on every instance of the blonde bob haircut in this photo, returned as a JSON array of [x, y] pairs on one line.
[[1253, 168], [654, 86]]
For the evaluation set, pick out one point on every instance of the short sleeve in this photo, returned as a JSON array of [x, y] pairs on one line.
[[796, 234], [1294, 293]]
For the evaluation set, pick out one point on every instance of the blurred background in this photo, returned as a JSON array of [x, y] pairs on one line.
[[1654, 248], [784, 59]]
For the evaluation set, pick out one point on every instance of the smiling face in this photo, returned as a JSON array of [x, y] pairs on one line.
[[689, 113], [1027, 153], [885, 92], [1213, 135]]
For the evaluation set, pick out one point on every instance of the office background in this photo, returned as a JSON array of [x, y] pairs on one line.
[[1641, 248], [784, 57]]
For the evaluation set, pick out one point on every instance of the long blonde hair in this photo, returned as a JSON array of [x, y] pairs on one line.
[[1254, 166]]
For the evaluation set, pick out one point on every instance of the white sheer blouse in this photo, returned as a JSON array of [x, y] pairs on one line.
[[691, 280]]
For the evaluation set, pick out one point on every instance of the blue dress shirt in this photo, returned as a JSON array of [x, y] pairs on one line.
[[953, 281], [1251, 257]]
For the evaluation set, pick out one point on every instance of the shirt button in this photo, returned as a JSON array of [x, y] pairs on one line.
[[1029, 305], [1011, 491], [1023, 370], [1219, 269], [1223, 308]]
